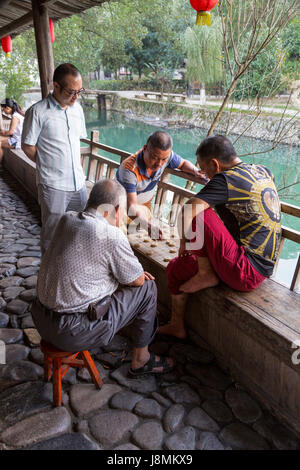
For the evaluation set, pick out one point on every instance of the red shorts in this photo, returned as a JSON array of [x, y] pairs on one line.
[[227, 258]]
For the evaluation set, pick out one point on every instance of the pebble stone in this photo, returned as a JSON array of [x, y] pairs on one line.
[[241, 437], [161, 400], [243, 406], [182, 440], [17, 306], [28, 262], [173, 417], [28, 295], [71, 441], [181, 393], [2, 303], [9, 335], [23, 400], [198, 418], [10, 282], [10, 293], [148, 408], [30, 282], [209, 441], [146, 384], [125, 400], [4, 319], [85, 398], [218, 411], [109, 427], [32, 336], [148, 436], [27, 272], [83, 373], [20, 371], [210, 376], [127, 447], [16, 352], [38, 427]]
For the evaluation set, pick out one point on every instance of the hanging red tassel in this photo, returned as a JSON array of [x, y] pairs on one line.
[[203, 8]]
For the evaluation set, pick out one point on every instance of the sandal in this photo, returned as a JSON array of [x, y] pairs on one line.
[[149, 367]]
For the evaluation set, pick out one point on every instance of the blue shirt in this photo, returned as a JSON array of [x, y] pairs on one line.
[[56, 134], [132, 174]]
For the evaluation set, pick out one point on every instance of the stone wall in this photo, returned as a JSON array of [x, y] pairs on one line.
[[263, 127]]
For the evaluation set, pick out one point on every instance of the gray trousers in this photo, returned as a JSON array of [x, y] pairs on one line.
[[135, 306], [54, 203]]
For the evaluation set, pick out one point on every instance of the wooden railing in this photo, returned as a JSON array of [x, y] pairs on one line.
[[97, 167]]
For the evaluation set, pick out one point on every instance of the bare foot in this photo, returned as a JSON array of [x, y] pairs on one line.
[[199, 282], [172, 330]]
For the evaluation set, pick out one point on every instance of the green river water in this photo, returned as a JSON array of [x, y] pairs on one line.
[[120, 131]]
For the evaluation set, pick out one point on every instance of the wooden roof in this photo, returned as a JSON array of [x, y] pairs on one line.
[[16, 16]]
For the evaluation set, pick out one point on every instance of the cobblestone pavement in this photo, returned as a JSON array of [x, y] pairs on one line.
[[196, 407]]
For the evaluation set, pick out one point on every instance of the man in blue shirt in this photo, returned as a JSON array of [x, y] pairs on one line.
[[51, 138], [141, 172]]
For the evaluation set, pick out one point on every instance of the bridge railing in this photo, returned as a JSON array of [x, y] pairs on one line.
[[170, 197]]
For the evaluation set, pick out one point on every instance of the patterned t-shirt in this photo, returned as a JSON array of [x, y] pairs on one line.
[[246, 199], [132, 174], [86, 260]]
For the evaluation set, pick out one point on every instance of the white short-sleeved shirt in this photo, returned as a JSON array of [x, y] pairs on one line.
[[56, 133], [86, 260]]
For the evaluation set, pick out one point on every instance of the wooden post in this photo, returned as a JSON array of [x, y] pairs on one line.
[[43, 45], [91, 173]]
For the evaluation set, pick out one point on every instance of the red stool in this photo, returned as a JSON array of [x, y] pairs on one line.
[[57, 363]]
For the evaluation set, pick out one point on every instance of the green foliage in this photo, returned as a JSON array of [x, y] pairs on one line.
[[147, 84], [291, 42], [19, 72], [264, 75], [203, 47]]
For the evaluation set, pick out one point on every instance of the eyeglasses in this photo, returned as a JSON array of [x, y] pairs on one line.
[[72, 93]]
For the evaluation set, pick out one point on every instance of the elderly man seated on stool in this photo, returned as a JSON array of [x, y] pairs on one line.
[[90, 283]]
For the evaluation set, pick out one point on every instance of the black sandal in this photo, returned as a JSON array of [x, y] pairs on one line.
[[149, 367]]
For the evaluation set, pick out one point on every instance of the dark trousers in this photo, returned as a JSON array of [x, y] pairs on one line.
[[135, 306]]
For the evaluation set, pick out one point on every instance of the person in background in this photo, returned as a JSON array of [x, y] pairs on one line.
[[12, 138], [51, 137]]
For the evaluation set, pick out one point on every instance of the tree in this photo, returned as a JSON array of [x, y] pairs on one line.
[[203, 47], [20, 71], [262, 21]]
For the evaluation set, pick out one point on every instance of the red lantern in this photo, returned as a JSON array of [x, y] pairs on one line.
[[203, 8], [52, 35], [6, 45]]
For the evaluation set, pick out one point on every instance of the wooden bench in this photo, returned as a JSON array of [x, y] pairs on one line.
[[159, 97]]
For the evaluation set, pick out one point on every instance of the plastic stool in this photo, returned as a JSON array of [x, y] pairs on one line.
[[57, 363]]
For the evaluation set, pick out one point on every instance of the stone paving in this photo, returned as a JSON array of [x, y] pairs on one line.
[[196, 407]]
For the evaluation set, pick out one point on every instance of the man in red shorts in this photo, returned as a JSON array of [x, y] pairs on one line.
[[239, 246]]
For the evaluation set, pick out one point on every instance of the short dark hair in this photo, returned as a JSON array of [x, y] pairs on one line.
[[216, 146], [63, 70], [160, 140]]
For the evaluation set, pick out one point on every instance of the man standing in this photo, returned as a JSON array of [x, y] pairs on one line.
[[141, 172], [238, 247], [51, 137], [89, 263]]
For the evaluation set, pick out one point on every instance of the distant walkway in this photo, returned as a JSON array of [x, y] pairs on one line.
[[194, 101], [198, 406]]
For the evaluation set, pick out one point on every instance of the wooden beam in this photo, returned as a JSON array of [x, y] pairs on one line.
[[15, 25], [43, 45]]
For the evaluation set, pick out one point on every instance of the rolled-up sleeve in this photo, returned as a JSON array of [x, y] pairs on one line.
[[31, 127], [124, 265]]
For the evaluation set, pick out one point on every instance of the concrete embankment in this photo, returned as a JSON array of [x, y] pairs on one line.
[[272, 127]]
